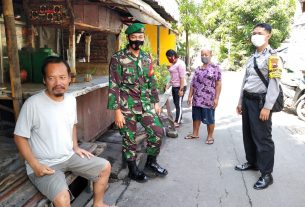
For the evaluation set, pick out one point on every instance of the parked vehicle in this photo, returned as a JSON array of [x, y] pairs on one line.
[[294, 94]]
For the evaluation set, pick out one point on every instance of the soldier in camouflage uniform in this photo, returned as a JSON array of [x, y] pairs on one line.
[[133, 96]]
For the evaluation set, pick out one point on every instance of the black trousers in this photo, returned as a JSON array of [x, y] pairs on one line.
[[258, 143], [178, 102]]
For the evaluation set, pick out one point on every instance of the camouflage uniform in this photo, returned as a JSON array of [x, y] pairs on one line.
[[132, 88]]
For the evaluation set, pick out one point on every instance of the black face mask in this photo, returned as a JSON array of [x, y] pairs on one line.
[[135, 44]]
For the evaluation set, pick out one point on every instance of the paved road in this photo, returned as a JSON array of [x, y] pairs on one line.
[[203, 175]]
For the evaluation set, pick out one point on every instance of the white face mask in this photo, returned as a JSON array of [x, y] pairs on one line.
[[258, 40]]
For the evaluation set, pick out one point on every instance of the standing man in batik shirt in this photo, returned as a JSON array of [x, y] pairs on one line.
[[133, 96]]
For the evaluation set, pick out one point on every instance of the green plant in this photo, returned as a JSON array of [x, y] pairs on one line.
[[162, 76], [92, 72]]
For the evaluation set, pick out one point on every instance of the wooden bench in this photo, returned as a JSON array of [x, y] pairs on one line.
[[17, 190]]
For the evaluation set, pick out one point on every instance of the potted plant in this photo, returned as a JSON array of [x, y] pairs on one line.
[[88, 75]]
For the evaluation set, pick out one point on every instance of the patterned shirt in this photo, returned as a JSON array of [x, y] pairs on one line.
[[204, 85], [132, 87]]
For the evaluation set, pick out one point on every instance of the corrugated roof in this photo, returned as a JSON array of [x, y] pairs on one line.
[[140, 10], [168, 9]]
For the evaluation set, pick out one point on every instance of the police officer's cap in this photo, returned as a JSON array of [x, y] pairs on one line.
[[135, 28]]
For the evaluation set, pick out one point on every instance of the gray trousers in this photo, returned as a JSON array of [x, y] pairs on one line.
[[258, 143]]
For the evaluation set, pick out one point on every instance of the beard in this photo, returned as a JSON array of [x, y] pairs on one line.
[[58, 91], [58, 94]]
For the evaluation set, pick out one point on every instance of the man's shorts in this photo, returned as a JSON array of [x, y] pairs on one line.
[[51, 185], [205, 115]]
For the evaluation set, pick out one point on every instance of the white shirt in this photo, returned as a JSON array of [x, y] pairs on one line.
[[48, 125]]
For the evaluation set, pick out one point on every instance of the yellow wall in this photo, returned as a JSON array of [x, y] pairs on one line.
[[167, 41]]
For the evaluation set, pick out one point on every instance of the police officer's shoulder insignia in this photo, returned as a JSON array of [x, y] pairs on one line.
[[275, 66]]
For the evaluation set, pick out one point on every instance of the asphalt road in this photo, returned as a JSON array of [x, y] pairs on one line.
[[203, 175]]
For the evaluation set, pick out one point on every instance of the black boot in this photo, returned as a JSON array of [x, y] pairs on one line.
[[135, 173], [152, 165]]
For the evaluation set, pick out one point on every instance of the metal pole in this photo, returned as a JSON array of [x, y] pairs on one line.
[[158, 44], [12, 50]]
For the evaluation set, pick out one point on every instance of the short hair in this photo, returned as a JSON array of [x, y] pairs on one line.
[[170, 53], [206, 48], [53, 59], [266, 26]]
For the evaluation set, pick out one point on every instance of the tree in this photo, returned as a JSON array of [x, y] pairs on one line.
[[231, 21], [190, 21]]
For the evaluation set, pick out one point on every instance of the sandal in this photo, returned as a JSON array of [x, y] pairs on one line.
[[209, 141], [176, 125], [191, 136]]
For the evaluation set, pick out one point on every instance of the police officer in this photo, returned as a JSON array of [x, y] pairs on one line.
[[133, 96], [255, 104]]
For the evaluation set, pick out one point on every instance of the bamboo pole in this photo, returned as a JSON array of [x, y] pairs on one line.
[[12, 50]]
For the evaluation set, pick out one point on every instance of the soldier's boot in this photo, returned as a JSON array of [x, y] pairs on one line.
[[152, 165], [135, 173]]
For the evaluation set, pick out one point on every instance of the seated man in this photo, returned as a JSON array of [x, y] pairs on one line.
[[46, 137]]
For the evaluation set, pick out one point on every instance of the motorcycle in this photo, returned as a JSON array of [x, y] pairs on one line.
[[294, 95]]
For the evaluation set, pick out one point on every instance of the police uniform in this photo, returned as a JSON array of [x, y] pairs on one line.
[[257, 137], [132, 89]]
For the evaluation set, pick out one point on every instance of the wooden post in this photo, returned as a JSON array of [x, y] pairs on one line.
[[1, 61], [12, 50], [72, 47], [30, 27]]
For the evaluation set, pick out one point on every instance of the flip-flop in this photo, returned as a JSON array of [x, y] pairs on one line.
[[190, 136], [209, 141]]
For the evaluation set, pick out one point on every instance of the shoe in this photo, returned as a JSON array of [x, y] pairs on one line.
[[263, 182], [246, 166], [152, 165], [135, 174]]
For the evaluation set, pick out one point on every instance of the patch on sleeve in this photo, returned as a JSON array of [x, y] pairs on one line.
[[275, 66]]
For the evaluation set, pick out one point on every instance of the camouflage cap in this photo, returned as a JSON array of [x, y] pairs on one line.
[[135, 28]]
